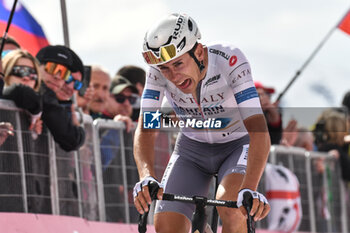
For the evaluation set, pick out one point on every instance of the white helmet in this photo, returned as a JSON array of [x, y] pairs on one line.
[[170, 38]]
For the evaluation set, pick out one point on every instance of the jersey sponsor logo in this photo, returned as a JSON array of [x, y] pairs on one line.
[[153, 76], [178, 26], [207, 111], [233, 60], [208, 99], [212, 80], [220, 53], [151, 94], [151, 120], [242, 74], [246, 94]]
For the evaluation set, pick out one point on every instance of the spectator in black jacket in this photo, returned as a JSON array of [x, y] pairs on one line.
[[22, 81], [56, 66]]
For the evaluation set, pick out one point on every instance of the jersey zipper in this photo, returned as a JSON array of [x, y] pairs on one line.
[[197, 100]]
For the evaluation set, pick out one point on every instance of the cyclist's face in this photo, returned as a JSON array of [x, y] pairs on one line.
[[183, 72]]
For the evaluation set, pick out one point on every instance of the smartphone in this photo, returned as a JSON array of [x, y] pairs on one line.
[[86, 80]]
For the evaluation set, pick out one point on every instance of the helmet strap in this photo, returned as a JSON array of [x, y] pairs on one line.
[[200, 64]]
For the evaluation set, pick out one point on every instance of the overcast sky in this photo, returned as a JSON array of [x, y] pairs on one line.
[[276, 36]]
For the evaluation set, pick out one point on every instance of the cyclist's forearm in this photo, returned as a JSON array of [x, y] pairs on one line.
[[144, 152], [259, 148], [257, 156]]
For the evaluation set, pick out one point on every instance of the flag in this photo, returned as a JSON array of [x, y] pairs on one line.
[[344, 24], [24, 28]]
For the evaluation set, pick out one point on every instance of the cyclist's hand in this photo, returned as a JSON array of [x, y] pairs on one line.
[[260, 207], [142, 197]]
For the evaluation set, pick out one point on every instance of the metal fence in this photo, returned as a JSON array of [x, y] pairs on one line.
[[96, 182], [323, 192]]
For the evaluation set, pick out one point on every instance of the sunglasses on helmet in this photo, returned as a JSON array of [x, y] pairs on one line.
[[163, 54], [121, 98], [24, 71], [54, 68], [77, 84]]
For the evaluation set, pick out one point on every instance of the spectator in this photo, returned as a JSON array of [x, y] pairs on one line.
[[56, 66], [119, 108], [137, 76], [74, 82], [22, 81], [66, 167], [122, 95], [101, 82], [273, 115], [330, 132], [271, 112], [10, 44]]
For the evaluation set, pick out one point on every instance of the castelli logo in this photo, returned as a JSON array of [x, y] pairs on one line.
[[233, 60]]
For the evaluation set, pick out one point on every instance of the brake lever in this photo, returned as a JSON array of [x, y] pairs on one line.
[[248, 203]]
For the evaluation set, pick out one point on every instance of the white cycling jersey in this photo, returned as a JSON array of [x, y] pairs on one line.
[[226, 94]]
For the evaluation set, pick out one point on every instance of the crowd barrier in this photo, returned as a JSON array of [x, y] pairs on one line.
[[96, 182]]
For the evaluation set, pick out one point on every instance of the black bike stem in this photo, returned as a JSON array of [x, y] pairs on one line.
[[199, 217]]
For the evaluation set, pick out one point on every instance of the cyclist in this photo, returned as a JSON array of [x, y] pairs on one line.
[[201, 83]]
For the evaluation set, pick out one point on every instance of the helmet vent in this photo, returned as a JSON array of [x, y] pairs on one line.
[[190, 25]]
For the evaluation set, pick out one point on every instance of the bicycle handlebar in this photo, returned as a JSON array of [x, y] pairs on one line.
[[209, 202], [198, 200]]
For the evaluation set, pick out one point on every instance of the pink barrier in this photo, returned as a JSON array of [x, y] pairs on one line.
[[40, 223]]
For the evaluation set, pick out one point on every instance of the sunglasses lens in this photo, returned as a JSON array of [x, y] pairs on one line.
[[24, 71], [165, 54], [132, 100], [61, 70], [78, 85], [69, 79], [120, 99]]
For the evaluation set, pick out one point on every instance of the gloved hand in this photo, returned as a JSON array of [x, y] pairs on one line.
[[138, 186], [260, 206], [142, 197]]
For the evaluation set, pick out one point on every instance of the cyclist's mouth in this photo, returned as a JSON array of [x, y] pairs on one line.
[[185, 84]]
